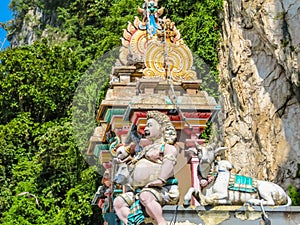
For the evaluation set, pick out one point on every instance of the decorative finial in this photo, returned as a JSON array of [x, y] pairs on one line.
[[150, 13]]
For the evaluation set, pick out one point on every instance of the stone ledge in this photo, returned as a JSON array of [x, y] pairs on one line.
[[231, 215]]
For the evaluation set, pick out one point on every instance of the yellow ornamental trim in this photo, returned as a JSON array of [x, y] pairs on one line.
[[138, 44], [169, 60]]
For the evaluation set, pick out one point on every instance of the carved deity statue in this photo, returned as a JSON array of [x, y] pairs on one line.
[[152, 174], [150, 14]]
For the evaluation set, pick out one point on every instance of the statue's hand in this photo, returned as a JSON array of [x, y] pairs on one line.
[[117, 161], [155, 183], [203, 183]]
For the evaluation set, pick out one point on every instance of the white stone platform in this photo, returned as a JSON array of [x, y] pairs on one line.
[[231, 215]]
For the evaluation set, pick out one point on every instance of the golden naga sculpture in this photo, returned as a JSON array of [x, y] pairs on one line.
[[157, 44]]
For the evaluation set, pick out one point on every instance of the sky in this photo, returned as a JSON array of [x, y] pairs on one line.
[[5, 15]]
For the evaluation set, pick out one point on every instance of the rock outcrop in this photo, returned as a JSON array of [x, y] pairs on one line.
[[260, 86], [34, 24]]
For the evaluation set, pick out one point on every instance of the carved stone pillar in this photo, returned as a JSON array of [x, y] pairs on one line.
[[195, 180]]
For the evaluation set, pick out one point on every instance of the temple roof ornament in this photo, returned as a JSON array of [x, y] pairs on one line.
[[151, 15], [156, 43]]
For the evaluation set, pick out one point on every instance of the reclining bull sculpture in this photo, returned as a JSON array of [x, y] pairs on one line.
[[227, 188]]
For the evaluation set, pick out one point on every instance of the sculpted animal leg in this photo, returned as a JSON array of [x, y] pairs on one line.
[[254, 201], [220, 186], [266, 200], [188, 196], [268, 192], [200, 198], [196, 194], [216, 198]]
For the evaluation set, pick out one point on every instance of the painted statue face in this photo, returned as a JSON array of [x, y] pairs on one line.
[[152, 7], [153, 130]]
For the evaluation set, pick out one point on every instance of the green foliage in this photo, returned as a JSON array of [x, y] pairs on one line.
[[88, 96], [294, 195], [200, 30], [24, 210], [53, 173], [207, 132], [15, 145], [16, 142], [20, 6], [38, 79], [77, 207], [94, 27]]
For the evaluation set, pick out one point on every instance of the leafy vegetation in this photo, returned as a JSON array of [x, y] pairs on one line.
[[294, 194], [40, 153], [38, 79]]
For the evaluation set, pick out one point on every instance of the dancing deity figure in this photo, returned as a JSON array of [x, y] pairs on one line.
[[152, 175]]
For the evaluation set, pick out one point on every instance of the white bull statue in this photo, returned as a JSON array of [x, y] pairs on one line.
[[227, 188]]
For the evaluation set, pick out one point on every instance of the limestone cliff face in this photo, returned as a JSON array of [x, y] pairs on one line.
[[34, 24], [260, 86]]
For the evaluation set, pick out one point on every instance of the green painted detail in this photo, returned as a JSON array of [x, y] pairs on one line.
[[99, 148], [172, 181], [136, 215], [111, 112], [118, 191], [110, 217], [168, 101], [242, 183], [97, 152], [179, 100]]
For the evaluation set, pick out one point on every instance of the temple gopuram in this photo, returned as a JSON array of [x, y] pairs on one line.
[[155, 71]]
